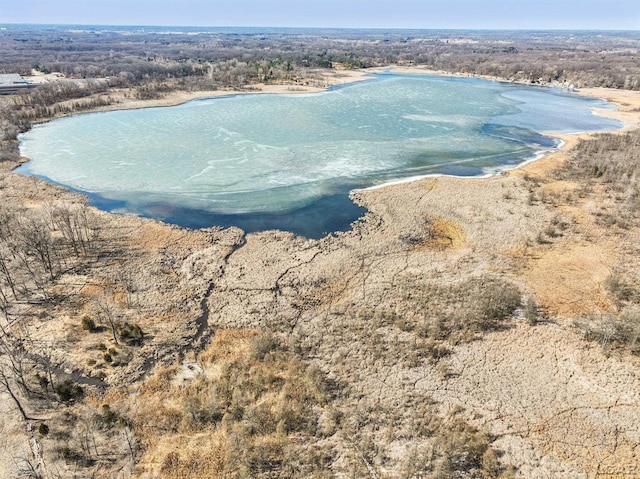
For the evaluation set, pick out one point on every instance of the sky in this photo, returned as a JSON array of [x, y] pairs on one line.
[[463, 14]]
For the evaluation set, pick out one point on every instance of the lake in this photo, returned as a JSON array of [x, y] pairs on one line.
[[289, 161]]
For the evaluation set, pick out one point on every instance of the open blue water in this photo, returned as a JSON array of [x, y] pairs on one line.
[[289, 161]]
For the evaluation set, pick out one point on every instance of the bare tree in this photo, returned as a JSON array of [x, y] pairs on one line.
[[106, 312], [37, 242], [6, 274], [124, 276], [16, 361], [6, 386], [72, 222], [27, 467], [5, 304]]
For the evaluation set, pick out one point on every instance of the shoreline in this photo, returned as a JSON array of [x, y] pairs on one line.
[[179, 97], [625, 101], [500, 171]]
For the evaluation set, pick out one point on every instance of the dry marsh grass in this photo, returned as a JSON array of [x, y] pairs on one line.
[[252, 411], [609, 165]]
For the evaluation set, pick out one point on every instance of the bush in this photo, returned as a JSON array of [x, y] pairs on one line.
[[70, 454], [88, 324], [263, 345], [531, 312], [107, 417], [610, 330], [457, 312], [68, 391], [130, 333], [461, 447], [436, 350], [497, 300], [622, 290]]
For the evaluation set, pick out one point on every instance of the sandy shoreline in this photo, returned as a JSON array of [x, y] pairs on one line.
[[626, 101], [176, 98]]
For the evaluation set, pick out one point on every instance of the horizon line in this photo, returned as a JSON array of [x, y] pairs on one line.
[[468, 29]]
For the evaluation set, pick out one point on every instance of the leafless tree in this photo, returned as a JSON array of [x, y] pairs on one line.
[[5, 304], [6, 275], [16, 361], [106, 311], [36, 240], [7, 386], [124, 276], [72, 222], [27, 467]]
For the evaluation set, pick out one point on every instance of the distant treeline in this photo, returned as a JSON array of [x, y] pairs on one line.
[[608, 59]]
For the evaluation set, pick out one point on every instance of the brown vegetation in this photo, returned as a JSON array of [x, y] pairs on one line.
[[608, 168]]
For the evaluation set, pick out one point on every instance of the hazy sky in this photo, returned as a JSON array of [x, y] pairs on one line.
[[489, 14]]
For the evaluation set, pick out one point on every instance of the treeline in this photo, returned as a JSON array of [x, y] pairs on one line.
[[612, 161], [36, 249], [608, 59], [45, 253], [19, 112]]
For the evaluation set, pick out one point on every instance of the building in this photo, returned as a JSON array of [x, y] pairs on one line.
[[13, 83]]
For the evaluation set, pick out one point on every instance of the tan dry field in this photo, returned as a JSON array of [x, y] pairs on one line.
[[557, 405]]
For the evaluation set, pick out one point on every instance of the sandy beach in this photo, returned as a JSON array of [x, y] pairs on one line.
[[174, 98]]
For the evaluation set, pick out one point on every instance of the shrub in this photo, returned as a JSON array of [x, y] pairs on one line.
[[456, 312], [531, 312], [436, 350], [461, 447], [263, 345], [68, 391], [611, 330], [70, 454], [497, 300], [107, 417], [88, 324], [130, 333], [621, 289]]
